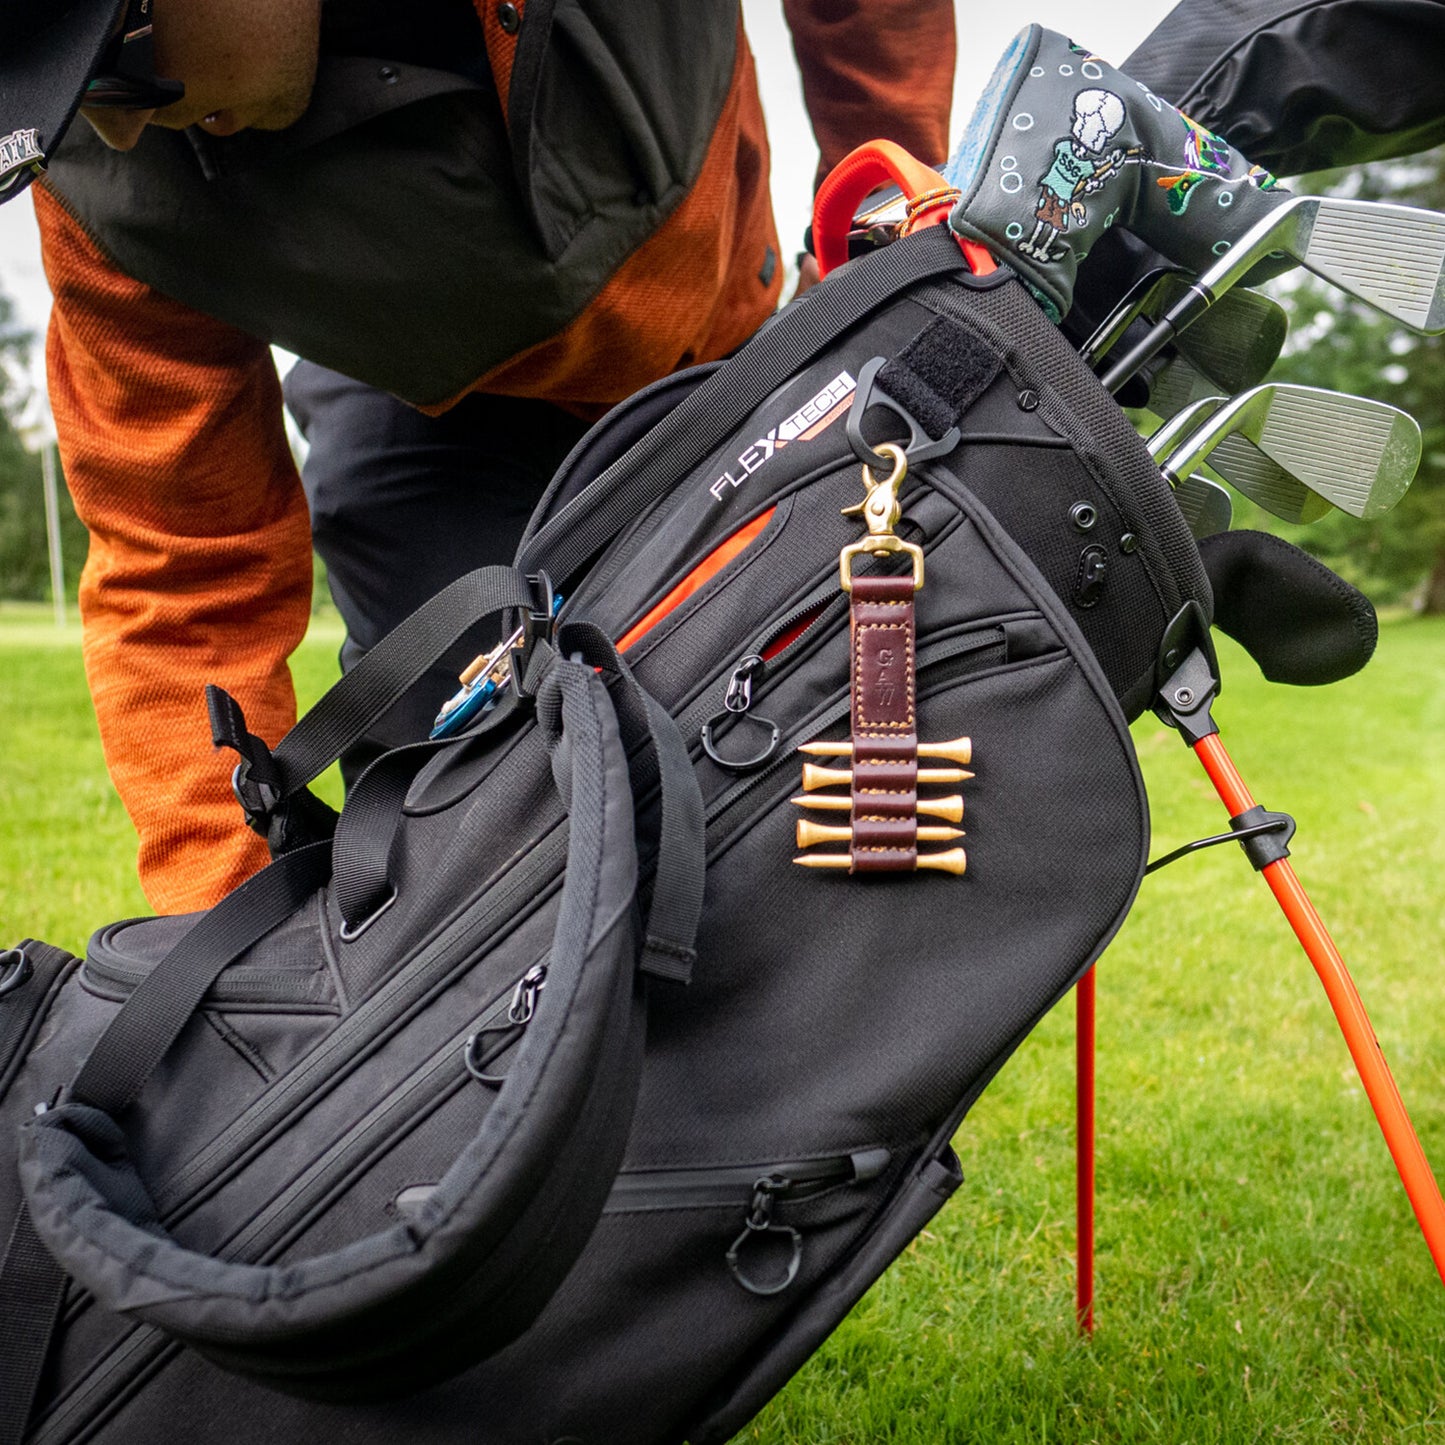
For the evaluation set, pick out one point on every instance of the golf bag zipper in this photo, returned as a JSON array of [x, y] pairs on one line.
[[758, 1192], [708, 1186], [410, 1103]]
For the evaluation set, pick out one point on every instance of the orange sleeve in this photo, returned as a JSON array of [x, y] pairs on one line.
[[200, 561], [875, 70]]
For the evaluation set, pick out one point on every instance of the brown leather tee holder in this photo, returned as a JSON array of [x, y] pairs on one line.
[[883, 775], [885, 726]]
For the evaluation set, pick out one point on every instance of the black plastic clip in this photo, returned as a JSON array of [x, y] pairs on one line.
[[1186, 675], [920, 447], [537, 625], [1264, 835], [285, 822]]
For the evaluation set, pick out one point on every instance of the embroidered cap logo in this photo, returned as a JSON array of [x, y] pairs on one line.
[[19, 151]]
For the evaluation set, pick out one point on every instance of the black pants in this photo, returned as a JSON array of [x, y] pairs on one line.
[[403, 503]]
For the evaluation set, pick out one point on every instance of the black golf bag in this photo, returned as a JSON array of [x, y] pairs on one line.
[[540, 1095]]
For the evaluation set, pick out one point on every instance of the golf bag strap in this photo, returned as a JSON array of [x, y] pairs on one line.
[[366, 830], [705, 418], [343, 717], [87, 1194], [32, 1289], [32, 1284], [669, 943]]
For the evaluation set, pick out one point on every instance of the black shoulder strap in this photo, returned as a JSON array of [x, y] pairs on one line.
[[698, 424]]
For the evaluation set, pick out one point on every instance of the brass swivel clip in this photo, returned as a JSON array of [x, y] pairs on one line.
[[881, 511]]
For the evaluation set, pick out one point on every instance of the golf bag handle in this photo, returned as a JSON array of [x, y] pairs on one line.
[[95, 1216], [862, 171]]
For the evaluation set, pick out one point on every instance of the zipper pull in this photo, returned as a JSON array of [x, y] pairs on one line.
[[737, 700], [524, 996], [488, 1044], [759, 1223]]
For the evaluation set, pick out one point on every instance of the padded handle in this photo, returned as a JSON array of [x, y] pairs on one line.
[[93, 1211], [859, 174]]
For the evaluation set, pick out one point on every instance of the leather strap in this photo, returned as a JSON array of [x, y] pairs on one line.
[[885, 725]]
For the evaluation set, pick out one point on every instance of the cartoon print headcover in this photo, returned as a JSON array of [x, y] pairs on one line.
[[1063, 146]]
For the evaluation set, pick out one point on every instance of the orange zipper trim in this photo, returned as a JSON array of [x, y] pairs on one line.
[[700, 575]]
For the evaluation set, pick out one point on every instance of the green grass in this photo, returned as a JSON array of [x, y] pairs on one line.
[[1260, 1276]]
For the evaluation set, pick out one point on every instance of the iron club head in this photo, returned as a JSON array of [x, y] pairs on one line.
[[1353, 453], [1391, 257], [1233, 344]]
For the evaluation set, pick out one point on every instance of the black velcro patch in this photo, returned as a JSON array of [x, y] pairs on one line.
[[940, 374]]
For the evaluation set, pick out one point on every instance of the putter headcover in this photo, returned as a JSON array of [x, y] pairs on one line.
[[1062, 146], [1300, 622]]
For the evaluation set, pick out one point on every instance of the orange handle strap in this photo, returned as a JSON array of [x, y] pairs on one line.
[[860, 173], [1354, 1022]]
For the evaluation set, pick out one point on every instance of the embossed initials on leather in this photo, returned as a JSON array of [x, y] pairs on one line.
[[883, 657]]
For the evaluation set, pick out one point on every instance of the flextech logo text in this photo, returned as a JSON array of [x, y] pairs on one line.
[[804, 424]]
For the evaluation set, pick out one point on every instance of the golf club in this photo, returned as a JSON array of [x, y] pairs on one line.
[[1234, 344], [1351, 452], [1391, 257]]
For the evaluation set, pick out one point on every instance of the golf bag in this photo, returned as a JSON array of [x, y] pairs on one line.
[[539, 1096]]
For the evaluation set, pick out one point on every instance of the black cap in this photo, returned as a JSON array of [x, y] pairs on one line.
[[48, 49]]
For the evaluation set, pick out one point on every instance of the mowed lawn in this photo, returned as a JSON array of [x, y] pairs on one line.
[[1260, 1275]]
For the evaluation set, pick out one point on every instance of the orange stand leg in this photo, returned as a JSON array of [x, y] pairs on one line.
[[1400, 1136], [1085, 1005]]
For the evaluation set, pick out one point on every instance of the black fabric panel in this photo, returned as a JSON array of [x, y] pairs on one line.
[[1299, 87], [1300, 622]]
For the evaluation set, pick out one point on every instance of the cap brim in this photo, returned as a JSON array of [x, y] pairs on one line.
[[43, 76]]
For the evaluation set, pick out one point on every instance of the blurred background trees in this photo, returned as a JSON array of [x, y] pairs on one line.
[[24, 558]]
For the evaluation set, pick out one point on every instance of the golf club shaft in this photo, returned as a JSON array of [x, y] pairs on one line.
[[1195, 302], [1394, 1120]]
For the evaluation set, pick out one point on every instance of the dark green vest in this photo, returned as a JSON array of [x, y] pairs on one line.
[[400, 232]]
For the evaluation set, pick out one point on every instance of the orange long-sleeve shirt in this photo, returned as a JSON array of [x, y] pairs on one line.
[[171, 433]]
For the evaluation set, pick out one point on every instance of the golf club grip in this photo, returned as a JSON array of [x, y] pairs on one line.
[[1188, 309]]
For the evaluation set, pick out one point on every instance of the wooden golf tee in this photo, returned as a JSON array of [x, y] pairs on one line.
[[952, 861], [956, 750], [1394, 1120], [816, 777], [950, 808], [810, 833], [1084, 1019]]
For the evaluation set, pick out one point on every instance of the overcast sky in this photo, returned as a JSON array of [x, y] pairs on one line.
[[1111, 28]]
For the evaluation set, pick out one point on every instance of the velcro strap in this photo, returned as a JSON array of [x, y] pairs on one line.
[[940, 374]]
